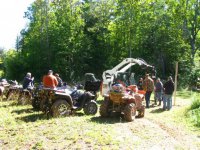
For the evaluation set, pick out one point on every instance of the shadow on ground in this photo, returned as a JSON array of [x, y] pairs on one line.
[[107, 120], [79, 114], [159, 110], [33, 117], [6, 104], [21, 111]]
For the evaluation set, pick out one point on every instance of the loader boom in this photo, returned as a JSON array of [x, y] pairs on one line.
[[109, 75]]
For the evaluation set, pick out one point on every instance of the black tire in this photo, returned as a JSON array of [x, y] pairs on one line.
[[43, 105], [130, 112], [24, 98], [141, 112], [61, 108], [104, 108], [10, 96], [36, 103], [13, 95], [90, 108]]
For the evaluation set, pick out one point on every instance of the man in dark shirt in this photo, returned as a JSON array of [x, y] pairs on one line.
[[168, 92], [28, 81]]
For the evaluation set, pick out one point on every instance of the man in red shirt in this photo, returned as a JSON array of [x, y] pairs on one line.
[[50, 81]]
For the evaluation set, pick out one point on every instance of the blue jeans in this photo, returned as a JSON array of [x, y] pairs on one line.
[[158, 96], [167, 101], [147, 98]]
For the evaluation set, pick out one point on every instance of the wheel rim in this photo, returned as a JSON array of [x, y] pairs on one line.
[[63, 110], [92, 108]]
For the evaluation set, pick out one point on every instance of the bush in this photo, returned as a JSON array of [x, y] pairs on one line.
[[194, 111]]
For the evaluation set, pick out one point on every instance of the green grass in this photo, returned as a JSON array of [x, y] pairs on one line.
[[23, 128], [187, 114]]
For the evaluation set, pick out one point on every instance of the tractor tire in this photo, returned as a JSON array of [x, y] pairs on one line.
[[36, 103], [104, 108], [90, 108], [129, 112], [60, 108]]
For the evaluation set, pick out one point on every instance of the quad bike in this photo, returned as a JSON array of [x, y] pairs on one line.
[[13, 93], [4, 86], [52, 102], [63, 102], [130, 105], [84, 100], [25, 96]]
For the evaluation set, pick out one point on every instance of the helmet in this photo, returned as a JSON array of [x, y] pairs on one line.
[[118, 88]]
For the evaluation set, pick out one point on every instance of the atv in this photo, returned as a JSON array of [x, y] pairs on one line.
[[130, 105], [52, 102], [25, 96], [64, 101], [13, 90], [84, 100]]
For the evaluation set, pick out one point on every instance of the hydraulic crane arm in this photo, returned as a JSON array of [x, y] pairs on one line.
[[108, 75]]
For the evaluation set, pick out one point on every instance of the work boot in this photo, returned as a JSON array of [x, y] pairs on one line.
[[159, 103]]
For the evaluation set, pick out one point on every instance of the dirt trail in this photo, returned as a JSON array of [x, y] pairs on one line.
[[153, 133]]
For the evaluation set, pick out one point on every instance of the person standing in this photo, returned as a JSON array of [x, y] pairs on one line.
[[140, 84], [148, 86], [168, 92], [158, 91], [49, 80]]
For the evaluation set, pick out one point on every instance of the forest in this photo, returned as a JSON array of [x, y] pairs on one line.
[[73, 37]]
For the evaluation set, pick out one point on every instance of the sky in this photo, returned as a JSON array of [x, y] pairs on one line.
[[12, 21]]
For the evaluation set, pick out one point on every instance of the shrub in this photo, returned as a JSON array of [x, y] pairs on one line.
[[194, 111]]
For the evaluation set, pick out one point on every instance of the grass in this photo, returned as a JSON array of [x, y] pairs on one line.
[[23, 128], [193, 111], [185, 102]]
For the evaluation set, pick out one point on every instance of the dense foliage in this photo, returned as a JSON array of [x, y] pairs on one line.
[[73, 37]]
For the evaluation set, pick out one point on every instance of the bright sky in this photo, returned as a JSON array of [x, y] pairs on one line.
[[12, 21]]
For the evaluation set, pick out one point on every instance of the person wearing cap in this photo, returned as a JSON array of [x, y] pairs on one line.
[[148, 87], [60, 82], [168, 92], [28, 81], [49, 80]]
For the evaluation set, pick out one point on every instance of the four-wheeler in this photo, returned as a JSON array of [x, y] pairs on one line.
[[63, 102], [25, 96], [13, 90], [122, 102]]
